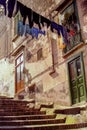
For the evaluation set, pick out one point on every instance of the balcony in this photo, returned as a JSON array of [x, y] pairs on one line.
[[73, 41]]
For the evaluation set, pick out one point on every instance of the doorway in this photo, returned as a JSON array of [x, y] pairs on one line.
[[77, 80], [19, 77]]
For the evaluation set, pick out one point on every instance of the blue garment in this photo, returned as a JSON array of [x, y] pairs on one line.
[[28, 30], [36, 32], [32, 16], [57, 27], [25, 29], [21, 28], [3, 2]]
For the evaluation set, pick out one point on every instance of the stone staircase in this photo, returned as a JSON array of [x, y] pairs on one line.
[[19, 115]]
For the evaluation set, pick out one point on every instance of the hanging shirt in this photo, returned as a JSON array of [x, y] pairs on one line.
[[36, 32], [57, 27], [3, 2], [25, 13], [45, 20], [21, 28], [11, 5], [25, 29]]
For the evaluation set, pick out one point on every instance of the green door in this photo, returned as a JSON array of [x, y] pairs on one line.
[[77, 82]]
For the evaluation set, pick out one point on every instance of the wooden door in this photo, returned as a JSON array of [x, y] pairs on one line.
[[77, 80], [19, 65]]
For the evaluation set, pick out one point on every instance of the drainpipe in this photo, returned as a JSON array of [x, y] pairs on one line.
[[53, 62]]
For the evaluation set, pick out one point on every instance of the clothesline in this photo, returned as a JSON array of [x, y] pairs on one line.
[[14, 6], [26, 12]]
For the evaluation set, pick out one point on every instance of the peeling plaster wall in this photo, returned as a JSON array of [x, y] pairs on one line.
[[6, 78], [54, 87]]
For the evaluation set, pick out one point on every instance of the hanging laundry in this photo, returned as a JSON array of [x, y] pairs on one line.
[[26, 13], [25, 30], [21, 28], [14, 10], [61, 43], [45, 20], [30, 17], [36, 32], [57, 27], [20, 7], [3, 2], [36, 19], [11, 5], [65, 35]]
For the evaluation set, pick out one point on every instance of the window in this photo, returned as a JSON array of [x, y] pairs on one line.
[[69, 19], [16, 19], [19, 65], [39, 54]]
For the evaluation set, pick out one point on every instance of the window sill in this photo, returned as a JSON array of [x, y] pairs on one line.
[[73, 50], [18, 49], [15, 38]]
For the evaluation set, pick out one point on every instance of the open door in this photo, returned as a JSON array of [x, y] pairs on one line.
[[77, 80], [19, 65]]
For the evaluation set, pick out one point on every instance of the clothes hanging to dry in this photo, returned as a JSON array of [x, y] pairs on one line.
[[25, 30], [11, 5]]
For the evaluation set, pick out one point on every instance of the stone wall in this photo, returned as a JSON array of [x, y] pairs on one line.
[[50, 86], [6, 78]]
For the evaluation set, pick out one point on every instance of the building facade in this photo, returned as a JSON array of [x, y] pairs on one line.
[[50, 70]]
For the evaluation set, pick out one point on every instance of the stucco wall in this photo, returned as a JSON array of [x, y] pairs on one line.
[[6, 78], [54, 86]]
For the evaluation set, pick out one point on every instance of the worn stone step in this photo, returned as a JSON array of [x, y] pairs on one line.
[[21, 109], [69, 110], [5, 97], [45, 127], [31, 122], [27, 117], [17, 107], [21, 113], [12, 101]]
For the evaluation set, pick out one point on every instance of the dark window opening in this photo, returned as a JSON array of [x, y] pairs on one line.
[[39, 54]]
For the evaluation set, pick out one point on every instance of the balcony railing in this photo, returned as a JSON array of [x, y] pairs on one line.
[[72, 42]]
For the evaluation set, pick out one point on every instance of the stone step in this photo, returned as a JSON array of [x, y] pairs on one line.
[[12, 101], [47, 105], [17, 106], [31, 122], [21, 109], [45, 127], [4, 97], [27, 117], [13, 104], [9, 113], [68, 111]]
